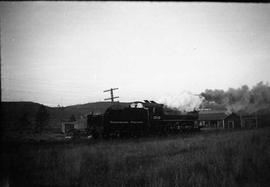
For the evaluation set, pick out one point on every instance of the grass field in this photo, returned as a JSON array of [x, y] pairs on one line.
[[223, 158]]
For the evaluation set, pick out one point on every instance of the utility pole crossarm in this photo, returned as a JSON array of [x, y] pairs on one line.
[[112, 97], [110, 89]]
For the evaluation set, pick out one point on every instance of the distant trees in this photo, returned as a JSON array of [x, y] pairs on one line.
[[72, 118], [42, 119], [23, 122]]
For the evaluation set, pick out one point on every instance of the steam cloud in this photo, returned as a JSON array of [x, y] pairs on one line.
[[184, 101]]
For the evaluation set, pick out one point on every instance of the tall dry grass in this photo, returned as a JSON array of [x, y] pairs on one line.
[[240, 158]]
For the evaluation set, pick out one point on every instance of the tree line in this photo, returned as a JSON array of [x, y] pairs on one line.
[[39, 122]]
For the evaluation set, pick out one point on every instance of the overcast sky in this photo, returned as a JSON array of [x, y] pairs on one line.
[[69, 52]]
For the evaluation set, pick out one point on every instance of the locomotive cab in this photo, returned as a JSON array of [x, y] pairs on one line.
[[155, 109], [155, 115]]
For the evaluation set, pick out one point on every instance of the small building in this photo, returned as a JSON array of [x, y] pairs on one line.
[[78, 124], [219, 119], [212, 119], [249, 121], [66, 126], [232, 121]]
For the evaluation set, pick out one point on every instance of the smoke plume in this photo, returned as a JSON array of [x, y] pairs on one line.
[[241, 100]]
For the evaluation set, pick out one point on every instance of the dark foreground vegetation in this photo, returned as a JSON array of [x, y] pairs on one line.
[[223, 158]]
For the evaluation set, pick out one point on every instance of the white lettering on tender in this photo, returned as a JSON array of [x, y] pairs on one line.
[[156, 117]]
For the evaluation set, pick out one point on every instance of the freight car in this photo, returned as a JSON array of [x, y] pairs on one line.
[[138, 119]]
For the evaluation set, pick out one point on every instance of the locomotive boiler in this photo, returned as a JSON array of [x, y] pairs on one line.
[[138, 119]]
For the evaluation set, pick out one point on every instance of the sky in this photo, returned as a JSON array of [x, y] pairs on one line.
[[69, 52]]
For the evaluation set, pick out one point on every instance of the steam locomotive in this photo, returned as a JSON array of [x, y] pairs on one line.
[[138, 119]]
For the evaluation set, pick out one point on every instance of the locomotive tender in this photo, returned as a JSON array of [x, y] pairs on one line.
[[138, 119]]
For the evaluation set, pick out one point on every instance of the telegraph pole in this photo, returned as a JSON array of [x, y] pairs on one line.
[[112, 97]]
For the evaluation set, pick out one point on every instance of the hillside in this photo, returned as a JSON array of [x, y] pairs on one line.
[[12, 112]]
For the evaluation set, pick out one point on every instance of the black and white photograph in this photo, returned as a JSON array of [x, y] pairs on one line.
[[135, 93]]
